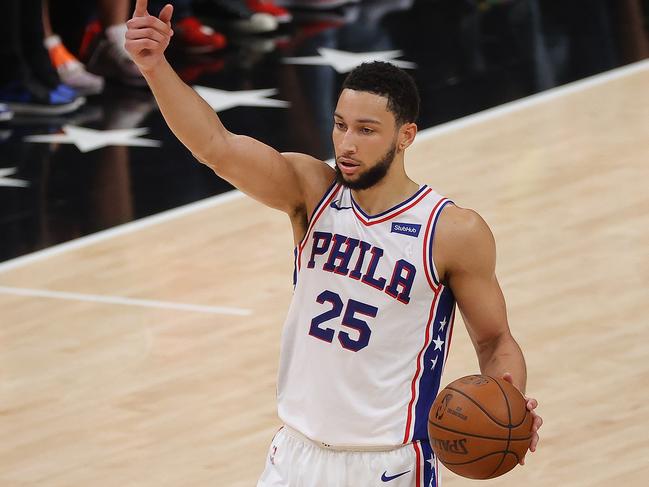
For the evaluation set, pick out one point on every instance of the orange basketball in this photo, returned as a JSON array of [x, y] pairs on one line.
[[479, 426]]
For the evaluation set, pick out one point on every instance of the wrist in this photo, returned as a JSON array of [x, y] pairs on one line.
[[153, 70]]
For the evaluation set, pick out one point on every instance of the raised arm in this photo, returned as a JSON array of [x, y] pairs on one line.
[[284, 182], [466, 253]]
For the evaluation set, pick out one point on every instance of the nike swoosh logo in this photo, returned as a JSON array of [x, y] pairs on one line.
[[335, 206], [386, 478]]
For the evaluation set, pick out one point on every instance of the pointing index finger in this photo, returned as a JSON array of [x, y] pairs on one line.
[[140, 8]]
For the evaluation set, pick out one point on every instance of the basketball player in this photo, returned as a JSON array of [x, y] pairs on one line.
[[380, 262]]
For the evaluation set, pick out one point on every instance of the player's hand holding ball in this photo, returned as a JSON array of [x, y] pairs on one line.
[[148, 36], [481, 427], [537, 421]]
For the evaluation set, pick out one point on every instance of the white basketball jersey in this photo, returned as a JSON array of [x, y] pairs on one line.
[[369, 327]]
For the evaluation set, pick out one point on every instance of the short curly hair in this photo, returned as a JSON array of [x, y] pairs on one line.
[[387, 80]]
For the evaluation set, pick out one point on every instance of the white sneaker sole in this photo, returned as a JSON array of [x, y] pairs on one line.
[[31, 109], [257, 24]]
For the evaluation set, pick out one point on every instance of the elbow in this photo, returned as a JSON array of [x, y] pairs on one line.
[[205, 160], [491, 342], [495, 345]]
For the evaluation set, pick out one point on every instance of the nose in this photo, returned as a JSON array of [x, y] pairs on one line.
[[348, 143]]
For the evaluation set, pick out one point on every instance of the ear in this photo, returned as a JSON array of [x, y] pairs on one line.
[[407, 134]]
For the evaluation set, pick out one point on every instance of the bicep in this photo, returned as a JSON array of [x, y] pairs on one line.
[[259, 171]]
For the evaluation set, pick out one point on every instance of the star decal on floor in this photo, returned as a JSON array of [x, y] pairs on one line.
[[345, 61], [221, 100], [88, 140], [5, 180]]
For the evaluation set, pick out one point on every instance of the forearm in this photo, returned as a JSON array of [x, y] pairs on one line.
[[188, 116], [503, 355]]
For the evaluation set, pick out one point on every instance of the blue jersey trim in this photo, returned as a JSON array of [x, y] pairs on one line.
[[294, 267], [429, 383], [324, 196], [403, 203], [430, 472], [431, 263]]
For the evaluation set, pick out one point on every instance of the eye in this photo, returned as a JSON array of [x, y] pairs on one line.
[[339, 125], [367, 131]]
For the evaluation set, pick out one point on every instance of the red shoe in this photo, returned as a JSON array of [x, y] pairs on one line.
[[90, 38], [191, 72], [196, 37], [282, 15]]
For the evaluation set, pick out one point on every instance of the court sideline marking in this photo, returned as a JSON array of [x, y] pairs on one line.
[[147, 303], [213, 201]]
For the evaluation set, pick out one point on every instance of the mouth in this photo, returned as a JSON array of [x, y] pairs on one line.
[[347, 166]]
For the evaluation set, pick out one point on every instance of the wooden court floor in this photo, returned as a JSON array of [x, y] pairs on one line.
[[109, 393]]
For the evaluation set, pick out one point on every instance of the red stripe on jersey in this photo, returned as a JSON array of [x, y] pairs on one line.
[[315, 219], [389, 217], [419, 371], [418, 463], [431, 219]]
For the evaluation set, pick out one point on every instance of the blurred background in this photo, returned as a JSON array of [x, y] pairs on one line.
[[83, 147]]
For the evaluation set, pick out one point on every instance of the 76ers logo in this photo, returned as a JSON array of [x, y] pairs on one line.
[[441, 409]]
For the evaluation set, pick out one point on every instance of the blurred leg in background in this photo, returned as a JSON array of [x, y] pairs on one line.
[[102, 46], [71, 71], [28, 82]]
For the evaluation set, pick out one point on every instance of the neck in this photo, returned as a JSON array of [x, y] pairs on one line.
[[389, 192]]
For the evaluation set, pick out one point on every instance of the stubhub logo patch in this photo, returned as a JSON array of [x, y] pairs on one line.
[[410, 229]]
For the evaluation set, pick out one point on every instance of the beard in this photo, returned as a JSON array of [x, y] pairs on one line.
[[373, 175]]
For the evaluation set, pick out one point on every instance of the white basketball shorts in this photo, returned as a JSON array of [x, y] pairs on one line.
[[295, 461]]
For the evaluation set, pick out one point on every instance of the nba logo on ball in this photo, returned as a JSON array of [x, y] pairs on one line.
[[439, 413], [479, 427]]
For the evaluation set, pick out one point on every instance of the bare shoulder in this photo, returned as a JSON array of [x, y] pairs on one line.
[[314, 174], [314, 177], [462, 225], [463, 242], [309, 165]]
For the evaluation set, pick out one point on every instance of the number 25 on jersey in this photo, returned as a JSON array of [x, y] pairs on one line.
[[351, 309]]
